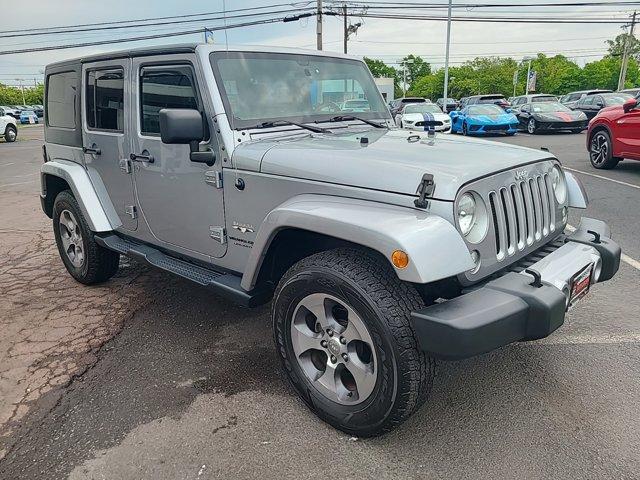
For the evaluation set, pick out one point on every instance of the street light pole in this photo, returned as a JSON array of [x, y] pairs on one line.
[[319, 25], [526, 88], [446, 55]]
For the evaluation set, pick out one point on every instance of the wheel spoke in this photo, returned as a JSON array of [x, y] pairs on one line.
[[303, 342], [328, 378], [315, 304], [364, 376]]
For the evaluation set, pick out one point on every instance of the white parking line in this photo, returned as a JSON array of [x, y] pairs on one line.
[[625, 258], [602, 177], [7, 164]]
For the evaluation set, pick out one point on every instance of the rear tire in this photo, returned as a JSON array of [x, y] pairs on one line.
[[601, 151], [351, 290], [84, 259], [10, 134]]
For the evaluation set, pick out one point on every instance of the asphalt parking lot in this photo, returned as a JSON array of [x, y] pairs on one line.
[[150, 376]]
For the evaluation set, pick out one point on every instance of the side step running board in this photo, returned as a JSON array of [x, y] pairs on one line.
[[225, 284]]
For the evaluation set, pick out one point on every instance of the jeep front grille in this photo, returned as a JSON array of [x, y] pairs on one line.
[[523, 213]]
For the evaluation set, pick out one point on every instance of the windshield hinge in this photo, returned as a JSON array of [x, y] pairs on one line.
[[425, 189]]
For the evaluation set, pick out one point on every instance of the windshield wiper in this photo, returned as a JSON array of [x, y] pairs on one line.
[[344, 118], [283, 123]]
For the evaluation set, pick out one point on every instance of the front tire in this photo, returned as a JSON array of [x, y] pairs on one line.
[[10, 134], [465, 129], [601, 151], [84, 259], [532, 128], [342, 330]]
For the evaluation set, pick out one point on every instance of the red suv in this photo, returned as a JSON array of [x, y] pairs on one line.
[[614, 134]]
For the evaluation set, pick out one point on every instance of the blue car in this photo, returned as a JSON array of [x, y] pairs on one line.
[[481, 119], [28, 116]]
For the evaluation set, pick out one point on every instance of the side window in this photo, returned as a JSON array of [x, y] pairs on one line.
[[62, 100], [1, 112], [105, 100], [164, 87], [588, 100]]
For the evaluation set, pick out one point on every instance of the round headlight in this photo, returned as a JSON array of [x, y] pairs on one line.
[[472, 217], [558, 183], [466, 213]]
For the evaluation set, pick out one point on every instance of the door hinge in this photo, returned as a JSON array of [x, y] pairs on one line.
[[125, 165], [213, 178], [132, 211], [218, 234]]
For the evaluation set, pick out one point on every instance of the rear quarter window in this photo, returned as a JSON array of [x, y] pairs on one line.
[[62, 99]]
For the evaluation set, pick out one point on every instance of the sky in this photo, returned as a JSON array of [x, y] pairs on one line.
[[386, 39]]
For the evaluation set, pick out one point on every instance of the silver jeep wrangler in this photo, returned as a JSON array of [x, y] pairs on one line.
[[247, 171]]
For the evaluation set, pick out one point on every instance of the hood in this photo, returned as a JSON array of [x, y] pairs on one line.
[[391, 160], [499, 118], [419, 117], [571, 116]]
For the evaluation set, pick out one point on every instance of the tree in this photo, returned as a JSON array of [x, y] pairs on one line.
[[416, 67], [616, 46], [379, 69]]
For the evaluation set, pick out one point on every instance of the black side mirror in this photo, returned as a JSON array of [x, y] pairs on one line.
[[185, 126]]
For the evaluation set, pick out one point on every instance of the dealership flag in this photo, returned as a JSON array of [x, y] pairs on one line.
[[532, 81]]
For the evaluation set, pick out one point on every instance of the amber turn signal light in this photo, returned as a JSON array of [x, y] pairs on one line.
[[399, 259]]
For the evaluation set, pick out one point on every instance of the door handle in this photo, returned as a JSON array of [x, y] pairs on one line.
[[93, 150], [142, 157]]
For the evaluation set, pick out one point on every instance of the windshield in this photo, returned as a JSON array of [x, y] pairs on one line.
[[612, 99], [422, 108], [492, 100], [547, 107], [485, 110], [258, 87]]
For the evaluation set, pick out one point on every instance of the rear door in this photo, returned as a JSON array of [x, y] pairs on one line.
[[105, 138], [180, 200]]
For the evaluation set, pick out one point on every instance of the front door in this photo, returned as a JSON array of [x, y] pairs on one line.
[[628, 129], [105, 134], [178, 200]]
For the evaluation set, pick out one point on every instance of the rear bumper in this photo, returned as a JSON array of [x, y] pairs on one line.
[[510, 308]]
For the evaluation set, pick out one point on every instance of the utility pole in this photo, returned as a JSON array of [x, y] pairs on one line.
[[446, 56], [625, 54], [22, 90], [319, 26], [345, 27]]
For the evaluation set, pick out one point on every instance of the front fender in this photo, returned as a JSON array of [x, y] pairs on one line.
[[434, 246], [99, 218], [576, 194]]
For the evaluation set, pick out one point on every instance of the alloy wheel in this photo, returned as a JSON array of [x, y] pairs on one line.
[[334, 349], [599, 148], [531, 126], [10, 135], [71, 238]]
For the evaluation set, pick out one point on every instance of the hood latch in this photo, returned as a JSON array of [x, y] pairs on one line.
[[425, 189]]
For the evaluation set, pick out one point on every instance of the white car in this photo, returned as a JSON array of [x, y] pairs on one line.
[[8, 127], [414, 115]]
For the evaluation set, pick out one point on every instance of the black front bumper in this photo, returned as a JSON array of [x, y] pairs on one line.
[[506, 310]]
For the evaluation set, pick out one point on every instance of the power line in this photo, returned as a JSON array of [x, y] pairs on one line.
[[484, 5], [150, 37], [495, 19], [172, 22], [153, 19]]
